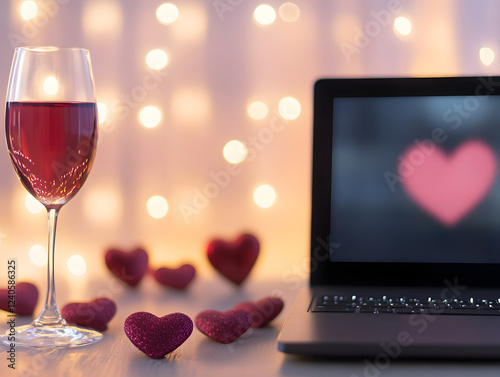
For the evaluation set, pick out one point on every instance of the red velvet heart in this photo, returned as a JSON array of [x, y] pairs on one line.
[[177, 278], [128, 267], [95, 314], [263, 311], [26, 298], [234, 260], [156, 336], [224, 327]]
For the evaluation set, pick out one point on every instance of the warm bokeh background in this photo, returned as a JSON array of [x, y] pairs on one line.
[[221, 58]]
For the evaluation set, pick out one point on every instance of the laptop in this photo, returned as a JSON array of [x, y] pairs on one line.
[[405, 226]]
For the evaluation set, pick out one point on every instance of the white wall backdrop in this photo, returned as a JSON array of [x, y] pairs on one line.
[[220, 61]]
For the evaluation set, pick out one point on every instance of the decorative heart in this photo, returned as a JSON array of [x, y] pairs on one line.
[[156, 336], [26, 298], [95, 314], [448, 187], [234, 260], [224, 327], [263, 311], [128, 267], [177, 278]]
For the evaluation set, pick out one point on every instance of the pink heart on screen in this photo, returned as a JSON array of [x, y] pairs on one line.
[[448, 187]]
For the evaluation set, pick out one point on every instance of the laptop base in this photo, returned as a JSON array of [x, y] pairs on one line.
[[387, 336]]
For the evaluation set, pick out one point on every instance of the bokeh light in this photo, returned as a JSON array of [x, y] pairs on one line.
[[77, 265], [191, 105], [487, 55], [50, 85], [150, 116], [103, 205], [33, 205], [102, 112], [402, 25], [28, 9], [235, 152], [289, 108], [264, 14], [157, 206], [264, 196], [289, 12], [257, 110], [38, 255], [156, 59], [192, 24], [167, 13], [102, 19]]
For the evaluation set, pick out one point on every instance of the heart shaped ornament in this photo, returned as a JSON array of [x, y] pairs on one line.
[[177, 278], [224, 327], [156, 336], [234, 260], [25, 296], [263, 311], [95, 314], [129, 267]]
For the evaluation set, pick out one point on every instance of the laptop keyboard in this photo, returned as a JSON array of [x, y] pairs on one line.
[[404, 305]]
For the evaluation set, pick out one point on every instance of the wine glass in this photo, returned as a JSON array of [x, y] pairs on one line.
[[51, 132]]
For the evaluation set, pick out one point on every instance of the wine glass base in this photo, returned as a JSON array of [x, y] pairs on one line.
[[50, 336]]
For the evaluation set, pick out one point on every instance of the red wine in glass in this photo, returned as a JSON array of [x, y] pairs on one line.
[[52, 146], [51, 133]]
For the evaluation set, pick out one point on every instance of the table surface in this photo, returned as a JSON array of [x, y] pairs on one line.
[[253, 354]]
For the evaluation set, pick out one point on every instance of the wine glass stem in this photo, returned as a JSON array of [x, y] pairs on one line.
[[50, 315]]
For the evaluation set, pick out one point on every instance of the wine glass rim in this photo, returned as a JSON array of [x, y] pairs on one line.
[[48, 48]]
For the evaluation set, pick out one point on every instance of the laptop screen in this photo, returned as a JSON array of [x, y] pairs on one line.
[[415, 179]]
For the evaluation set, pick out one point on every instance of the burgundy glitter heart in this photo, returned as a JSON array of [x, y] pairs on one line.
[[234, 260], [156, 336], [177, 278], [128, 267], [263, 311], [95, 314], [26, 298], [224, 327]]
